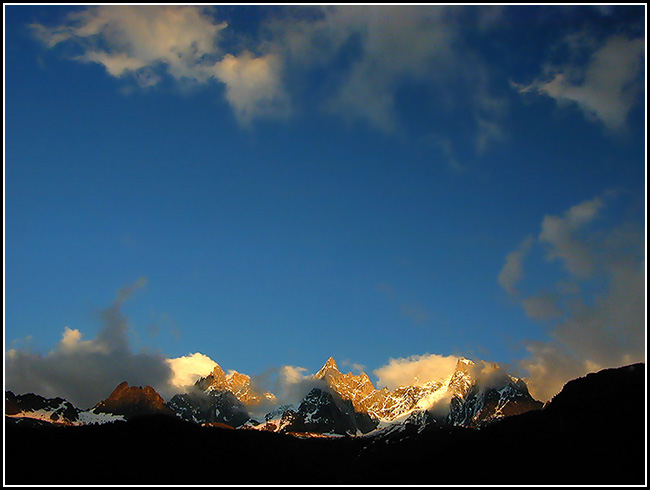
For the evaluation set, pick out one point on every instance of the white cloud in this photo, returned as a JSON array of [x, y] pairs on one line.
[[359, 368], [187, 369], [183, 42], [606, 88], [415, 370], [125, 38], [116, 64], [71, 342], [291, 375]]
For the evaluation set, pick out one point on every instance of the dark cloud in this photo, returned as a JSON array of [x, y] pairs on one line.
[[86, 371]]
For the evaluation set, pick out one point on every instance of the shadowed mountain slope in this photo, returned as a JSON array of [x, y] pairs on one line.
[[591, 433]]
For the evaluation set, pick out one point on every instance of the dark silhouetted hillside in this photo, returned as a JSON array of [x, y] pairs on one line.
[[591, 433]]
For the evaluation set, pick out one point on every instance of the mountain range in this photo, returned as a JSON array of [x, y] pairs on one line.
[[591, 433], [337, 404]]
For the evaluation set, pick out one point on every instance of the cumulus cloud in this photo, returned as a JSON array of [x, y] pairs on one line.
[[86, 371], [186, 370], [596, 314], [605, 88], [415, 370], [182, 42]]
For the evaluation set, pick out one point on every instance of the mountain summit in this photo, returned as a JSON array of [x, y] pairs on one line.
[[337, 403], [133, 400], [236, 383], [329, 369], [473, 395]]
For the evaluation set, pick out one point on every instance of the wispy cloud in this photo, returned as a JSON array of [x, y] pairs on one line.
[[388, 47], [512, 271], [595, 314], [562, 237], [605, 88], [384, 47]]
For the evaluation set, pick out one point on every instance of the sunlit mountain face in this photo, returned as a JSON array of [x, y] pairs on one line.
[[388, 438], [334, 404]]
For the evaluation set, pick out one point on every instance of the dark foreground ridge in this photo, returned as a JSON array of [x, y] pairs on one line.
[[591, 433]]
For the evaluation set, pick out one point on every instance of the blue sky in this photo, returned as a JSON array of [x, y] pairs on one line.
[[294, 183]]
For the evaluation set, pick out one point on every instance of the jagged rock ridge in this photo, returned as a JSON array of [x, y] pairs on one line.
[[338, 403], [236, 383], [472, 396]]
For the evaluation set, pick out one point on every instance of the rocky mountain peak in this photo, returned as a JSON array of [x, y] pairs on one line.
[[462, 379], [463, 364], [123, 387], [218, 377], [216, 380], [236, 383], [329, 368], [132, 400]]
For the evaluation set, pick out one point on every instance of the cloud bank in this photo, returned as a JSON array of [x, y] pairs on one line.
[[86, 371], [415, 370], [596, 314]]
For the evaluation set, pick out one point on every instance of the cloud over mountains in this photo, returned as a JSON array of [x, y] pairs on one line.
[[86, 371], [595, 314]]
